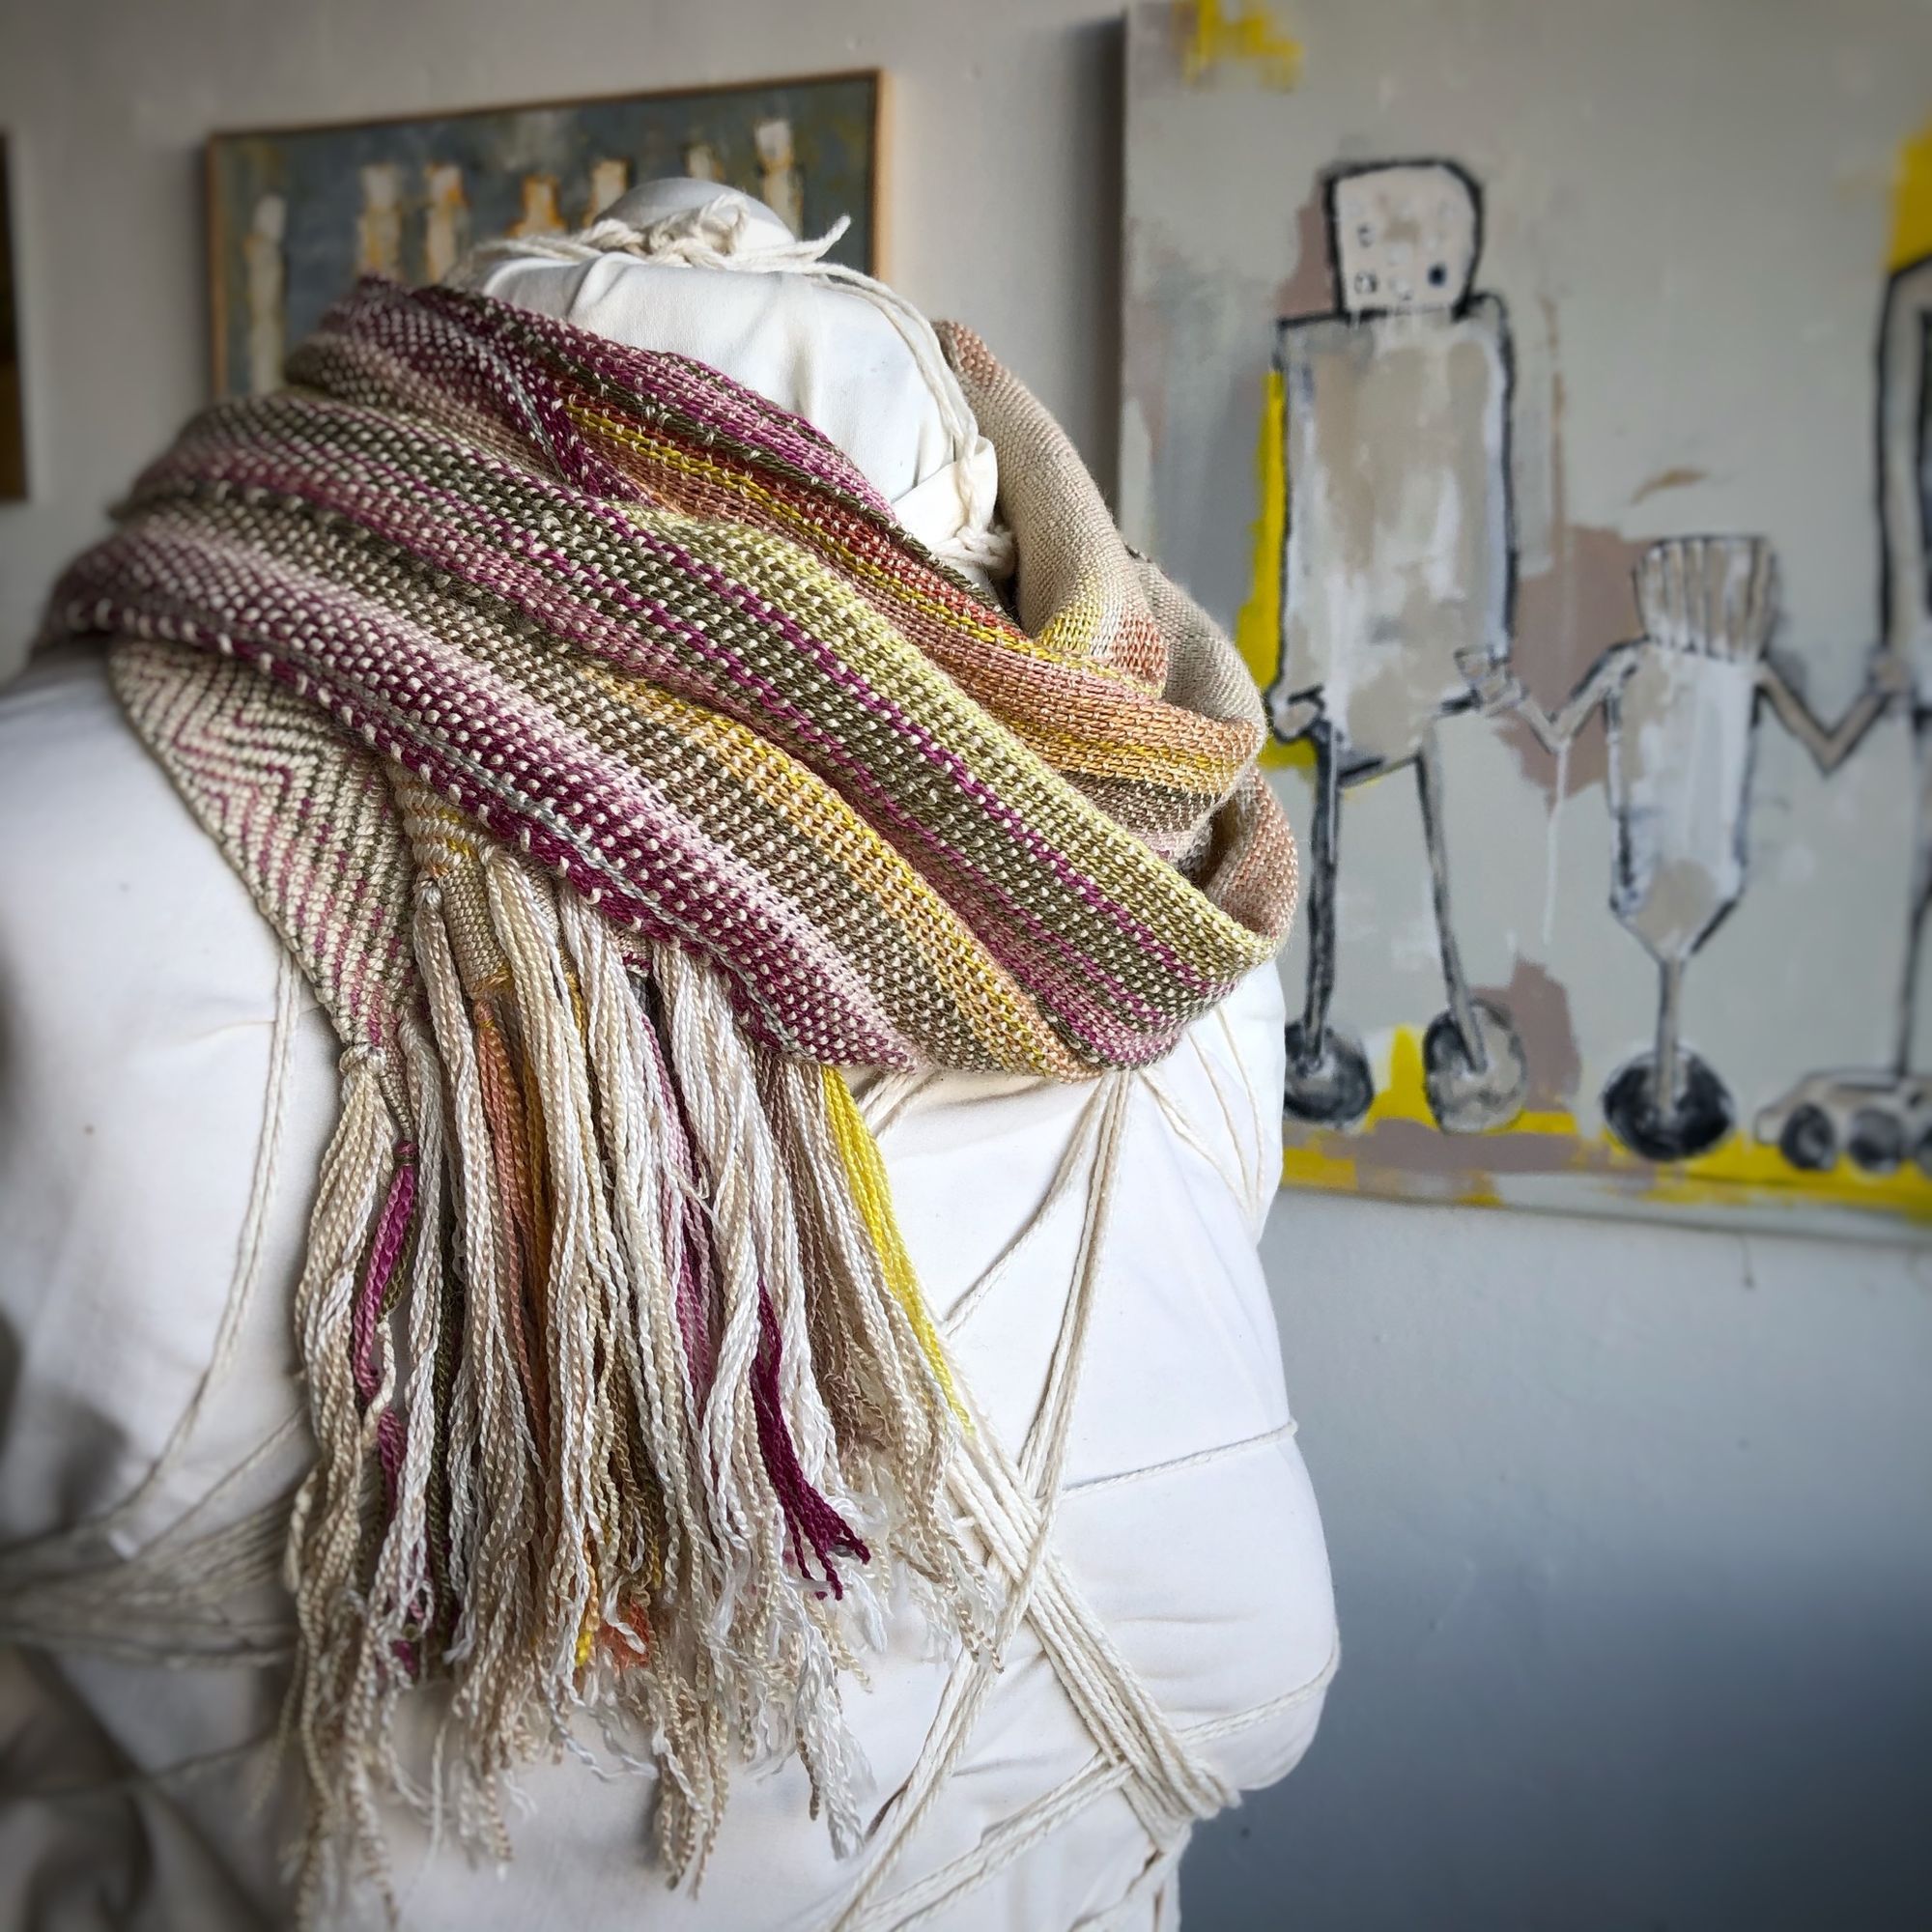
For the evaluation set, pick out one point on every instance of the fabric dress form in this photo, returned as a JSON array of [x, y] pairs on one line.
[[166, 1091]]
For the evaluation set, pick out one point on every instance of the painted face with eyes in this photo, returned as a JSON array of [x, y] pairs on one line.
[[1404, 239]]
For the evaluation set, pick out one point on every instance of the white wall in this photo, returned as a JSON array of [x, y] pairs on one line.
[[1633, 1528]]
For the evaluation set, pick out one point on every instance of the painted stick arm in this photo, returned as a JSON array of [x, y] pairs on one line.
[[1500, 690], [1831, 745]]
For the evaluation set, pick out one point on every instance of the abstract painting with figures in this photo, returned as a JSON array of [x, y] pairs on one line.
[[295, 215], [1559, 457]]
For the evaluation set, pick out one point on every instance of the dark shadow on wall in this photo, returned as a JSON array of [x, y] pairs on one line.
[[1096, 117], [1650, 1760]]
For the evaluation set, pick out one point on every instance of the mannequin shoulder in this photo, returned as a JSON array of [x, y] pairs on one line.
[[87, 811], [105, 880], [155, 1055]]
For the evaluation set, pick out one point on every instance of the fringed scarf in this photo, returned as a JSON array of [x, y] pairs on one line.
[[620, 770]]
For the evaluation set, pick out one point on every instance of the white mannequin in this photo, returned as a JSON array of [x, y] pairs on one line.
[[147, 1184]]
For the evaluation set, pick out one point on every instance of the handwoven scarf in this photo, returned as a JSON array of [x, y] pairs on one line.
[[620, 770]]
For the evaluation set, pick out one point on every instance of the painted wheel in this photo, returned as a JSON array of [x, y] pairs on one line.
[[1701, 1116], [1328, 1079], [1809, 1141], [1876, 1141], [1466, 1097]]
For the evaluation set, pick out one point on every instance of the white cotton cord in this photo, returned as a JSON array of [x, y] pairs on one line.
[[132, 1784], [991, 551], [248, 1259], [1071, 1159], [1035, 1824], [889, 1097], [1243, 1190], [1014, 1509], [1185, 1130], [710, 235], [1140, 1752], [1148, 1905], [1267, 1179], [174, 1605]]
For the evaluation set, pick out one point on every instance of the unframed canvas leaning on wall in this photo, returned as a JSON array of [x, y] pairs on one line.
[[1562, 456]]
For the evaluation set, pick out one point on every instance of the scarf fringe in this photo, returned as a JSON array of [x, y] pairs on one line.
[[629, 1418]]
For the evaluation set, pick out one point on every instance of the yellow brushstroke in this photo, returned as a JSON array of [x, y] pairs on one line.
[[1402, 1095], [1743, 1169], [1258, 622], [1249, 39], [1740, 1172], [1312, 1167], [1912, 201]]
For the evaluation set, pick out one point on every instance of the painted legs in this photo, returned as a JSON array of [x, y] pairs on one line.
[[1667, 1104], [1921, 900], [1328, 1079], [1877, 1117], [1473, 1066]]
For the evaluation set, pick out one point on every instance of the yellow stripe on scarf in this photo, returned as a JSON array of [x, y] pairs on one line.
[[866, 1175]]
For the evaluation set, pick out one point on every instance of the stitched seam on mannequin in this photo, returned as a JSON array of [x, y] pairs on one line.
[[1198, 1459]]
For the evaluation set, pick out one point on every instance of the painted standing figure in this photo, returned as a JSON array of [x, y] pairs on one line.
[[1397, 580], [1881, 1115], [1681, 709]]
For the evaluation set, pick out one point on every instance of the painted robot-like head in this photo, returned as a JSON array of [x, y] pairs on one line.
[[1405, 236]]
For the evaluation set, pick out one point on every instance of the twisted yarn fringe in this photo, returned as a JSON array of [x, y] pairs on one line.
[[619, 1384]]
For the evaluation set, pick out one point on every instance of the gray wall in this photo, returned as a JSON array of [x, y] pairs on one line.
[[1633, 1528], [1630, 1528]]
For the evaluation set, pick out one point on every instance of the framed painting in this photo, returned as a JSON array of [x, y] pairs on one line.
[[296, 215], [1549, 425]]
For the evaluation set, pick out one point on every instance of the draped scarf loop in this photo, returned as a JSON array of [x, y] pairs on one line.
[[619, 770]]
